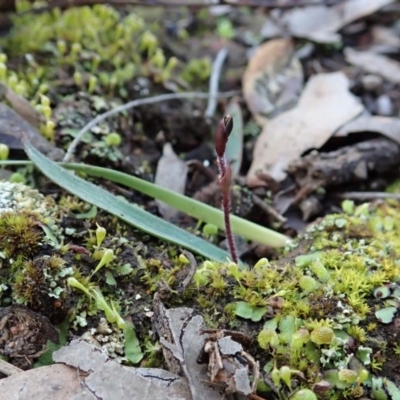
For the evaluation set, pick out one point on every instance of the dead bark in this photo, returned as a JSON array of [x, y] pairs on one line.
[[349, 164]]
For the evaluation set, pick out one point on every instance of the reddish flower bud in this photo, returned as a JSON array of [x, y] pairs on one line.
[[221, 136]]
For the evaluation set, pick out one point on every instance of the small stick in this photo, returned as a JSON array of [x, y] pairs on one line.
[[131, 104], [367, 195], [221, 139], [214, 78]]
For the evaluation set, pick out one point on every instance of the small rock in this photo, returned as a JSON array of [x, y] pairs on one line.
[[384, 105], [371, 82]]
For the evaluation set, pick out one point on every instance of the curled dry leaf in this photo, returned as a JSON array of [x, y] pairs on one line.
[[384, 40], [320, 23], [229, 366], [12, 126], [181, 340], [171, 174], [386, 126], [325, 105], [21, 106], [273, 80], [374, 64]]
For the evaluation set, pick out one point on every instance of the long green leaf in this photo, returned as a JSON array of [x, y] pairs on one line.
[[129, 213], [194, 208]]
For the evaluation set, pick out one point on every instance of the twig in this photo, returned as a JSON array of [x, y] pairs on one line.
[[9, 369], [367, 195], [214, 79], [269, 210], [131, 104]]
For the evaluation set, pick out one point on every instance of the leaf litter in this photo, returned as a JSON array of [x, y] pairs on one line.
[[320, 23], [324, 106], [171, 174], [374, 64], [273, 80]]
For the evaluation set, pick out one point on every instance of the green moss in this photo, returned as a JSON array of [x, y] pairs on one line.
[[323, 302], [313, 311], [95, 44]]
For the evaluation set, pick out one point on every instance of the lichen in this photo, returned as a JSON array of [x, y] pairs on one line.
[[19, 197]]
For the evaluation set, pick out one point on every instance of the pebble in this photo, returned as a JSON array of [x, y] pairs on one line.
[[371, 82], [384, 105]]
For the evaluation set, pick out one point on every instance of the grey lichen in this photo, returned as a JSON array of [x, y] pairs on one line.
[[19, 197]]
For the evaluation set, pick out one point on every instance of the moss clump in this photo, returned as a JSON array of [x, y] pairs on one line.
[[20, 234], [27, 223], [30, 237], [41, 285], [98, 46], [321, 301], [322, 318]]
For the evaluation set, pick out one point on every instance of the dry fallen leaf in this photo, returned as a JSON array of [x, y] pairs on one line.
[[320, 23], [21, 106], [325, 105], [107, 380], [56, 381], [273, 80], [179, 332], [384, 40], [389, 127], [12, 125], [374, 63], [171, 174]]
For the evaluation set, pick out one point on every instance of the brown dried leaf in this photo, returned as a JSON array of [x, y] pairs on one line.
[[108, 380], [273, 80], [21, 106], [389, 127], [374, 64], [325, 105], [320, 23], [384, 39], [179, 332], [12, 125], [171, 174], [51, 382]]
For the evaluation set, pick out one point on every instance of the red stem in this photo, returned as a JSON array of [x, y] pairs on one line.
[[224, 129], [225, 181]]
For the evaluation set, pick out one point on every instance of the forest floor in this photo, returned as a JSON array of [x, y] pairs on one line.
[[314, 154]]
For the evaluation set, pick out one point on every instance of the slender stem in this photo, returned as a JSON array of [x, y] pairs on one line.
[[225, 181], [221, 139]]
